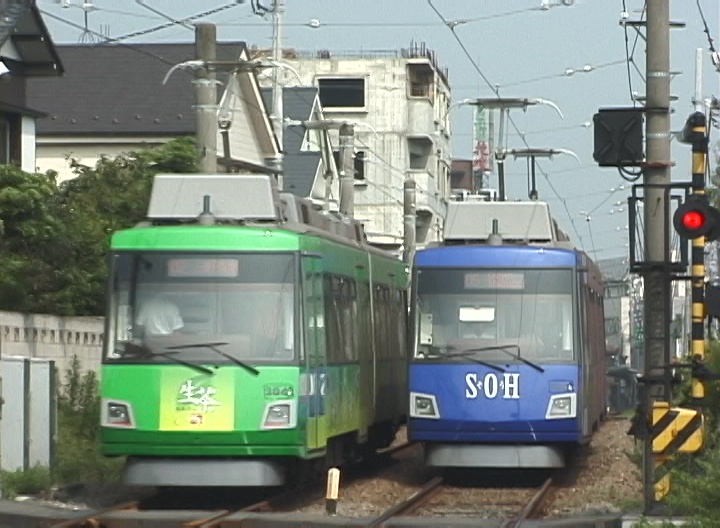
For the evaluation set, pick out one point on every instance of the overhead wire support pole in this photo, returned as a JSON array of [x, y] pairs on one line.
[[277, 87], [533, 153], [504, 105], [409, 220], [347, 169], [206, 97], [656, 277]]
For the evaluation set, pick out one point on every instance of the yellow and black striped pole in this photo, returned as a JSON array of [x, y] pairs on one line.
[[696, 124]]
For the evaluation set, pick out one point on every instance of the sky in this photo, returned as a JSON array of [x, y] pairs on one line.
[[514, 46]]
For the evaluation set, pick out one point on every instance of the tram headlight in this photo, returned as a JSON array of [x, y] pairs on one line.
[[279, 415], [562, 406], [423, 405], [117, 414]]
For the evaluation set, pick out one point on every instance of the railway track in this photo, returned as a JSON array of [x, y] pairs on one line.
[[438, 498], [527, 503], [106, 518], [284, 501]]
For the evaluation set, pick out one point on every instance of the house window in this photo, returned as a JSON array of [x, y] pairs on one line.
[[421, 79], [4, 142], [359, 163], [420, 150], [342, 93]]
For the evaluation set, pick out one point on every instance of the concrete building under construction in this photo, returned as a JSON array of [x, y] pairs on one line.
[[399, 103]]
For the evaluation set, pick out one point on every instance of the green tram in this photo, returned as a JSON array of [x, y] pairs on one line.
[[249, 338]]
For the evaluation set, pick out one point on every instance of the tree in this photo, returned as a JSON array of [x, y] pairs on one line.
[[111, 196], [54, 239], [31, 236]]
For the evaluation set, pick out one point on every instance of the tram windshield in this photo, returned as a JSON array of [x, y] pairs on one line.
[[210, 308], [483, 312]]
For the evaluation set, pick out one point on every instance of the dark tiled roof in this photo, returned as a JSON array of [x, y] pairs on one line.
[[299, 168], [115, 90]]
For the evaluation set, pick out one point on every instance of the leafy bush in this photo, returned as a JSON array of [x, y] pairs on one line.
[[35, 480], [78, 448], [695, 479]]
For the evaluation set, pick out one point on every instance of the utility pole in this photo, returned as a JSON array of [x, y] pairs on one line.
[[206, 98], [277, 88], [346, 161], [656, 175], [347, 169], [409, 220]]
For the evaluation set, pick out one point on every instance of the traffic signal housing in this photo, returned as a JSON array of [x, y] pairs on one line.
[[697, 218]]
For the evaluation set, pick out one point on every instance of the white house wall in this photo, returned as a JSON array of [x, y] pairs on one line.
[[27, 143], [55, 156], [378, 202], [243, 141]]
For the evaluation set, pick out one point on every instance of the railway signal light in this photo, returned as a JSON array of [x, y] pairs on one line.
[[697, 218]]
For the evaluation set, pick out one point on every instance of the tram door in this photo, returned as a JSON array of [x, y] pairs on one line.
[[315, 355], [584, 355]]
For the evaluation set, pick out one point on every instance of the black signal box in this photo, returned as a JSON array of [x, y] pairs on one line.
[[618, 137]]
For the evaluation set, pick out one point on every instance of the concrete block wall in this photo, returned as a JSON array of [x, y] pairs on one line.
[[52, 337]]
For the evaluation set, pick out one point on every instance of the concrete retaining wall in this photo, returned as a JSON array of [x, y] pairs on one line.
[[52, 337]]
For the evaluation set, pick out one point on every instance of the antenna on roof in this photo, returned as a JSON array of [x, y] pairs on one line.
[[87, 34]]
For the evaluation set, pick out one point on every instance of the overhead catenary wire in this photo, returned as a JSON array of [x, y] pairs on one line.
[[496, 91], [706, 30], [461, 23], [104, 39], [316, 24]]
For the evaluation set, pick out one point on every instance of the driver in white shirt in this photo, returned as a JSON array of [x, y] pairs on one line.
[[159, 316]]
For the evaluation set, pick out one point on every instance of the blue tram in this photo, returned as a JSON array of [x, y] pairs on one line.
[[509, 348]]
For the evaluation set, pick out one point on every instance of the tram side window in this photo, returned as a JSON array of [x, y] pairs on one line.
[[401, 322], [332, 320], [383, 322], [348, 305], [340, 317], [396, 324], [378, 318], [363, 329]]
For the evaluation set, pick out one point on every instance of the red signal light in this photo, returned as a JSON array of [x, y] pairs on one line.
[[697, 218], [693, 220]]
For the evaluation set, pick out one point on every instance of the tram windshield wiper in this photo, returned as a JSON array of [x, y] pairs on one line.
[[505, 349], [143, 351], [213, 346], [466, 354]]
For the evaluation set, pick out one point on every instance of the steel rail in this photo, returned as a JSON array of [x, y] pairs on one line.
[[88, 520], [394, 449], [412, 503], [533, 507], [261, 506]]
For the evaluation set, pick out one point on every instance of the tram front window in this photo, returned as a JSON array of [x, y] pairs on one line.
[[242, 304], [478, 311]]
